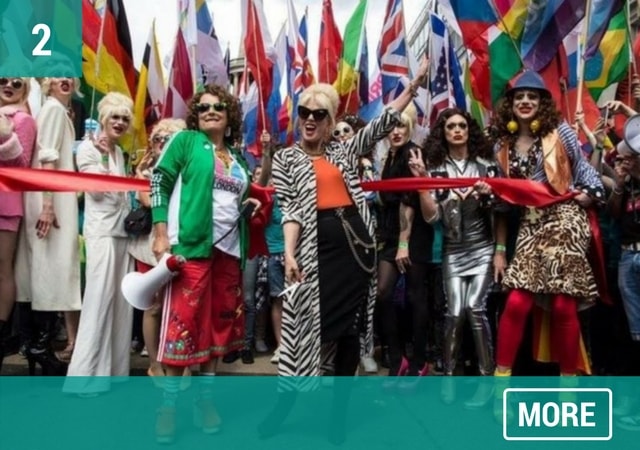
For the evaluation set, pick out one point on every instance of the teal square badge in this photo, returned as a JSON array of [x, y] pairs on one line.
[[41, 38]]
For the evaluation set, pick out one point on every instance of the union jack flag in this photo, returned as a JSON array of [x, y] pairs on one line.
[[392, 50]]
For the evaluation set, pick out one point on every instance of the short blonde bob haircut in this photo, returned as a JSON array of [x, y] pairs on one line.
[[324, 95], [114, 104], [167, 126], [409, 117]]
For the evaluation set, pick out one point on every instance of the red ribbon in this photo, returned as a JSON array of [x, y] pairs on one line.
[[16, 179], [515, 192]]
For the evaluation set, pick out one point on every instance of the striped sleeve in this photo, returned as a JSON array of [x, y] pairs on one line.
[[373, 132], [585, 176], [165, 175]]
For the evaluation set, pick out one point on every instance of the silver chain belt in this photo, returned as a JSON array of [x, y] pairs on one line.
[[353, 240]]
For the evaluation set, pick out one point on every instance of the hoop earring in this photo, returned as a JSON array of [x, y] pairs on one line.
[[227, 132], [512, 126], [534, 126]]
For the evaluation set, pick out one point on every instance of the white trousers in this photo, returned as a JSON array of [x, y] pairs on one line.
[[103, 344]]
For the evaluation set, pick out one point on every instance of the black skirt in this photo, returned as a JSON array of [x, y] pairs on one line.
[[344, 282]]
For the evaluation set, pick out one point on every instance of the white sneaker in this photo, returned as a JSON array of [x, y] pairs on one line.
[[261, 347], [369, 364], [276, 356], [144, 352]]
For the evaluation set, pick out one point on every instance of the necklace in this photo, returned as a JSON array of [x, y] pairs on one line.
[[460, 165], [223, 155]]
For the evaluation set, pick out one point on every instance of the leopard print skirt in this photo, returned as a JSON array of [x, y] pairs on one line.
[[551, 254]]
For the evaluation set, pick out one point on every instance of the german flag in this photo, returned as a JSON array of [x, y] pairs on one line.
[[107, 66]]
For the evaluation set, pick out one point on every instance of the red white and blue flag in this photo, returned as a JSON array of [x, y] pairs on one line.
[[392, 50]]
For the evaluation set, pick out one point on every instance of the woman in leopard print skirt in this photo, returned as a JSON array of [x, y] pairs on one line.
[[550, 262]]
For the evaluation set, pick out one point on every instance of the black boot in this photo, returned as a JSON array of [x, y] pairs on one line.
[[40, 350], [26, 327], [3, 324]]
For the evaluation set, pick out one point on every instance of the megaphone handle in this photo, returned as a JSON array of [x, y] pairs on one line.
[[175, 263]]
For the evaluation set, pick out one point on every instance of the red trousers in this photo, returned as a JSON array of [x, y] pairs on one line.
[[565, 329]]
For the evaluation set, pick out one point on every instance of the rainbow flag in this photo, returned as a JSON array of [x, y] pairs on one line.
[[609, 64]]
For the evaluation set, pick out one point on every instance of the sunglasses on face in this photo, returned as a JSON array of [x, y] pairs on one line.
[[318, 114], [453, 125], [342, 132], [158, 139], [15, 83], [118, 117], [205, 107]]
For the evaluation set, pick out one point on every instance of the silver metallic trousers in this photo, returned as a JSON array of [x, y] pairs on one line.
[[467, 299]]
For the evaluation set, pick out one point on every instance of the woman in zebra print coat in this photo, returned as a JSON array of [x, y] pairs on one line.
[[329, 245]]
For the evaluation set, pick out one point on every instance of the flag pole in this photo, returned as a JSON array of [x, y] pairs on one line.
[[96, 68], [632, 58], [582, 47], [508, 31]]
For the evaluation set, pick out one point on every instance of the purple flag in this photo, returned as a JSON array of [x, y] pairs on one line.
[[548, 22]]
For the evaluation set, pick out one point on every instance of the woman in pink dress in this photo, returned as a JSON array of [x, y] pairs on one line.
[[17, 139]]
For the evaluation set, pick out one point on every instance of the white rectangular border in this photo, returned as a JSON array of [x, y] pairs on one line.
[[563, 438]]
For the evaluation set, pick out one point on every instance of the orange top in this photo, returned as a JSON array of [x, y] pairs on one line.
[[331, 190]]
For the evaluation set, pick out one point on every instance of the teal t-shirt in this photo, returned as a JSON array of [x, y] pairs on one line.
[[273, 233]]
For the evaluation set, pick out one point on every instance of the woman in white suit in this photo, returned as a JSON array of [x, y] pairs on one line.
[[49, 238], [104, 335]]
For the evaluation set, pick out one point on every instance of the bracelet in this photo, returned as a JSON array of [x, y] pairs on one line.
[[403, 245], [501, 248]]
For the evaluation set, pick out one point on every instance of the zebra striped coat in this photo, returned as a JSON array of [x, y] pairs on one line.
[[295, 182]]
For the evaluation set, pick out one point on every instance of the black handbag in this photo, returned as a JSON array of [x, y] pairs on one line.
[[138, 222]]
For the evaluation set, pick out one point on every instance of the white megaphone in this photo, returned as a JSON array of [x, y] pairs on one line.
[[631, 135], [139, 288]]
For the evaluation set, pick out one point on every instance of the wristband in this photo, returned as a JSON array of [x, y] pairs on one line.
[[403, 245], [501, 248]]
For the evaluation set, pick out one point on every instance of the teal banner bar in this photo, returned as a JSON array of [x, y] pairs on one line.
[[353, 413], [41, 38]]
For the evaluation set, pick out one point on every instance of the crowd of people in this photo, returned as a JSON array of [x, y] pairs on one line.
[[294, 256]]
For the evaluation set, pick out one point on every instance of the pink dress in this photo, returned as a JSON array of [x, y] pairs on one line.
[[15, 151]]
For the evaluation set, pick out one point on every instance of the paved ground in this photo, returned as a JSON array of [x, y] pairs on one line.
[[16, 365]]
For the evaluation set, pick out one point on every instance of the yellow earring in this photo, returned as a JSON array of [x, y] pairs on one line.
[[535, 126], [512, 126]]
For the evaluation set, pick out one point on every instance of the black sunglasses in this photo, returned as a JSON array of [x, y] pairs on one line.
[[125, 119], [318, 114], [205, 107], [16, 83], [451, 126], [341, 132], [158, 139]]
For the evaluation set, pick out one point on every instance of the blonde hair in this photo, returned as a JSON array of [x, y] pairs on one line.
[[26, 82], [45, 85], [168, 126], [114, 103], [325, 95], [409, 117]]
